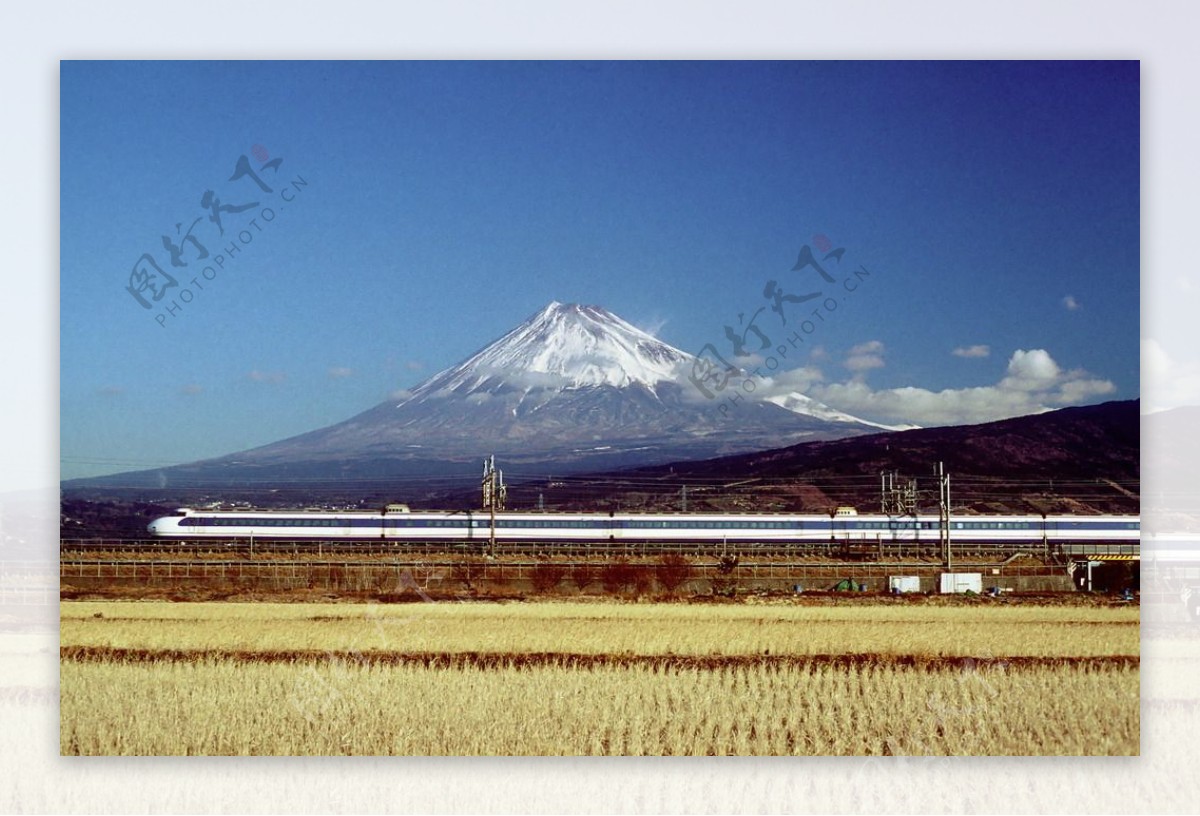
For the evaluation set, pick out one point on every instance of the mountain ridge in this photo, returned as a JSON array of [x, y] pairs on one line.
[[1079, 459]]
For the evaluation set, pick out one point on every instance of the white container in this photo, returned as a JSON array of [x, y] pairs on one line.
[[904, 583], [953, 582]]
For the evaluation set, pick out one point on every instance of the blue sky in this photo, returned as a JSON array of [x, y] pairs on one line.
[[435, 205]]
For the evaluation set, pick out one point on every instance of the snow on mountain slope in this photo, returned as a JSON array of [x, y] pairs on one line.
[[564, 346], [800, 404]]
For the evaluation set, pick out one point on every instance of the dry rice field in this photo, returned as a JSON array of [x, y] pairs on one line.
[[597, 678]]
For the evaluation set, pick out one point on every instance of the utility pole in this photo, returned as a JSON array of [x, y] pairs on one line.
[[944, 513], [495, 493], [684, 494]]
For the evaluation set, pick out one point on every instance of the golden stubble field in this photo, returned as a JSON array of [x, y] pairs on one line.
[[554, 678]]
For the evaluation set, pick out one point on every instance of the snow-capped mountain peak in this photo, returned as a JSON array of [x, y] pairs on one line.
[[565, 346]]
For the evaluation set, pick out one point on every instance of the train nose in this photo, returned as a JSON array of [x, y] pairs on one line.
[[152, 528]]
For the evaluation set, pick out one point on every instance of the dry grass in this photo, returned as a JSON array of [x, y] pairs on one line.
[[233, 707], [607, 628], [576, 678]]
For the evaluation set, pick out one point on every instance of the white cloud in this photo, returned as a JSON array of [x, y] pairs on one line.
[[1033, 383], [1033, 370], [272, 377], [1071, 303], [1075, 391], [972, 351], [865, 356], [869, 347], [781, 383], [340, 372]]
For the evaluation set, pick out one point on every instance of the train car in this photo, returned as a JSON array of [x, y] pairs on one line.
[[744, 528]]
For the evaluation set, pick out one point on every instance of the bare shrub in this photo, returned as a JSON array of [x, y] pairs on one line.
[[546, 576], [642, 579], [617, 575], [468, 572], [672, 571], [582, 575], [725, 583]]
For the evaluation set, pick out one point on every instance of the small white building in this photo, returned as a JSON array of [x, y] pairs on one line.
[[953, 582], [904, 583]]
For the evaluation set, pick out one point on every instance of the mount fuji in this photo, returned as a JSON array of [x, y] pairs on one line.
[[571, 389]]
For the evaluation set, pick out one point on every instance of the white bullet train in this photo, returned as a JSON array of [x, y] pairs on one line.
[[399, 524]]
